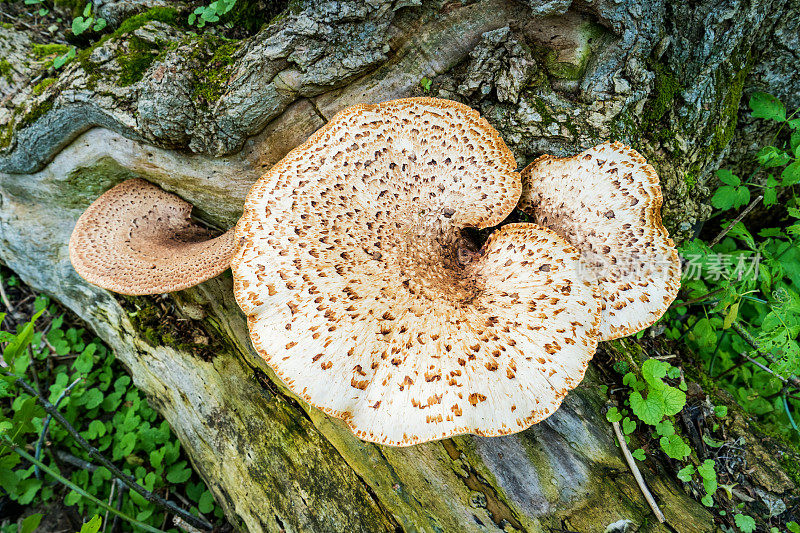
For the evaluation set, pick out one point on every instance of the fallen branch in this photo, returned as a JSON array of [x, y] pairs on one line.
[[735, 221], [636, 474]]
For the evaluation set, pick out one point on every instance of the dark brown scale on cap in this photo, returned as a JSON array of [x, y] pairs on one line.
[[615, 223], [139, 239], [431, 337]]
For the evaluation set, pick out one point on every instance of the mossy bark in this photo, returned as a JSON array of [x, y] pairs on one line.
[[203, 117]]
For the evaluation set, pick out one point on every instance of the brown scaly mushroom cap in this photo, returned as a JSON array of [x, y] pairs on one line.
[[606, 202], [139, 239], [368, 300]]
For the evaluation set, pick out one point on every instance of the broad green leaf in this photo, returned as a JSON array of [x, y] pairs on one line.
[[628, 426], [675, 447], [206, 504], [721, 411], [612, 415], [665, 428], [728, 178], [709, 475], [794, 142], [178, 473], [791, 174], [707, 500], [653, 370], [770, 156], [649, 410], [793, 527], [685, 474], [638, 454], [767, 106], [30, 523], [745, 523], [674, 400]]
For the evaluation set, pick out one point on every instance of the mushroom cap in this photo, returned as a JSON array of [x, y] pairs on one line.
[[368, 300], [139, 239], [606, 202]]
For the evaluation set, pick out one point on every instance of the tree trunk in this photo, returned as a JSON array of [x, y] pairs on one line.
[[204, 117]]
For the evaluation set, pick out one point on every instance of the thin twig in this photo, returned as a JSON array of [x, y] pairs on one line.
[[94, 453], [748, 338], [46, 425], [4, 297], [177, 521], [736, 220], [698, 299], [110, 498], [637, 475]]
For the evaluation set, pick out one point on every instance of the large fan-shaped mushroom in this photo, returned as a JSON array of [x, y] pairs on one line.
[[367, 298], [606, 202], [139, 239]]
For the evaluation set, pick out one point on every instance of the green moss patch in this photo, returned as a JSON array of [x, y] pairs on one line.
[[40, 87], [47, 51], [212, 59]]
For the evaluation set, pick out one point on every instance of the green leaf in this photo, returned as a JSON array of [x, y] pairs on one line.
[[685, 474], [649, 410], [745, 523], [728, 197], [728, 178], [30, 523], [767, 106], [665, 428], [793, 527], [709, 475], [712, 442], [707, 500], [653, 370], [206, 503], [628, 426], [92, 526], [674, 400], [638, 454], [794, 142], [721, 411], [613, 415], [629, 379], [21, 341], [675, 447], [770, 156], [178, 473], [87, 10], [791, 174], [731, 316], [81, 24]]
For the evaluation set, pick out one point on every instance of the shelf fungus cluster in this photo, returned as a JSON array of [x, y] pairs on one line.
[[365, 292]]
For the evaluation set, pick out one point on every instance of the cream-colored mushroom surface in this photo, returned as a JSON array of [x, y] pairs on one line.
[[138, 239], [606, 201], [368, 299]]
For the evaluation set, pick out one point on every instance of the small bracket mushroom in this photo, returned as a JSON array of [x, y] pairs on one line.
[[365, 295], [606, 202], [139, 239]]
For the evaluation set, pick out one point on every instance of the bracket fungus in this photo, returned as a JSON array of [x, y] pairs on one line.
[[606, 201], [365, 294], [139, 239]]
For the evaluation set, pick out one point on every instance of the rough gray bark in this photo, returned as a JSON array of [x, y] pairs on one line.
[[205, 117]]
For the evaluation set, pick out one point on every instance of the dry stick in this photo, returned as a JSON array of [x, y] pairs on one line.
[[46, 425], [637, 475], [5, 299], [698, 299], [125, 478], [748, 338], [177, 521], [736, 220]]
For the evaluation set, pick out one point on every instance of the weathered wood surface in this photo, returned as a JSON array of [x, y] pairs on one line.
[[552, 77]]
